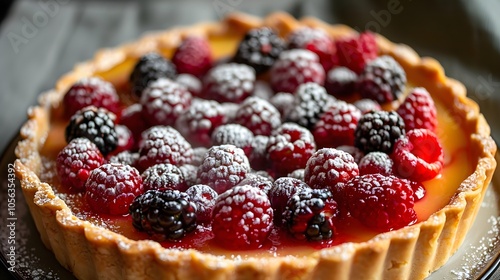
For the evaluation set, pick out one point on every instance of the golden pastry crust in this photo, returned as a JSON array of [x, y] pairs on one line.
[[92, 252]]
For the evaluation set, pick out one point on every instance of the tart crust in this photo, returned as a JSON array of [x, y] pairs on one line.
[[413, 252]]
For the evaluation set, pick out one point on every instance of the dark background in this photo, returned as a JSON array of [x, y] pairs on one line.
[[463, 35]]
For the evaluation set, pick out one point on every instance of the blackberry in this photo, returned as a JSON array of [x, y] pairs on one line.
[[95, 124], [259, 49], [378, 130], [150, 67], [165, 215], [383, 80], [311, 101], [310, 215]]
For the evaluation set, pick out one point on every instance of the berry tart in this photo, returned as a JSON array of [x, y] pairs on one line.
[[255, 149]]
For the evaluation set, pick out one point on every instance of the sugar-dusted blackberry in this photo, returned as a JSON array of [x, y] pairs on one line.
[[95, 124], [283, 101], [165, 215], [148, 68], [341, 81], [261, 182], [163, 176], [378, 130], [75, 162], [311, 101], [189, 172], [282, 190], [258, 115], [259, 48], [203, 196], [258, 156], [90, 91], [315, 40], [232, 82], [310, 214], [163, 144], [223, 167], [383, 80], [336, 125], [234, 134]]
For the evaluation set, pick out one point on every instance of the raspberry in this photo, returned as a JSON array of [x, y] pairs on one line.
[[198, 155], [257, 181], [380, 202], [329, 167], [193, 84], [165, 215], [366, 105], [311, 101], [223, 167], [263, 89], [111, 188], [148, 68], [75, 162], [126, 158], [230, 110], [356, 51], [378, 130], [233, 134], [258, 157], [242, 218], [131, 117], [418, 110], [90, 91], [283, 101], [189, 172], [126, 140], [230, 82], [204, 198], [376, 162], [259, 49], [337, 125], [356, 153], [418, 156], [310, 214], [296, 67], [258, 115], [383, 80], [199, 121], [289, 148], [163, 144], [341, 81], [315, 40], [163, 176], [193, 56], [418, 190], [96, 124], [283, 189], [163, 101], [297, 174]]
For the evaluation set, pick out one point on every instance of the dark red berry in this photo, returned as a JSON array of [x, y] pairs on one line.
[[337, 125], [204, 198], [356, 51], [283, 101], [366, 105], [341, 81], [242, 218], [261, 182], [193, 56], [163, 176], [189, 172], [258, 157], [297, 174], [233, 134], [356, 153], [90, 91], [112, 187], [315, 40], [418, 110], [376, 163], [126, 140], [198, 155], [148, 68], [258, 115], [231, 82], [192, 83], [126, 158], [132, 118], [311, 101], [378, 131], [282, 190]]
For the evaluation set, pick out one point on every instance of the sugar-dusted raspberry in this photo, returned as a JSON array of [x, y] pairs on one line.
[[283, 101], [126, 140], [132, 118], [376, 163], [230, 82], [355, 52], [282, 190], [383, 80], [148, 68], [234, 134], [378, 130], [203, 196], [341, 81], [111, 188], [261, 182], [126, 158], [90, 91], [189, 172], [380, 202], [193, 56], [296, 67], [311, 101], [329, 167], [258, 115], [366, 105], [356, 153], [263, 90], [259, 49], [230, 109], [242, 218], [337, 125], [165, 215], [163, 101], [223, 167], [96, 124], [164, 144], [418, 156], [198, 155], [418, 110], [315, 40], [198, 122], [258, 157], [75, 162], [289, 148], [297, 174], [163, 176], [192, 83], [310, 214]]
